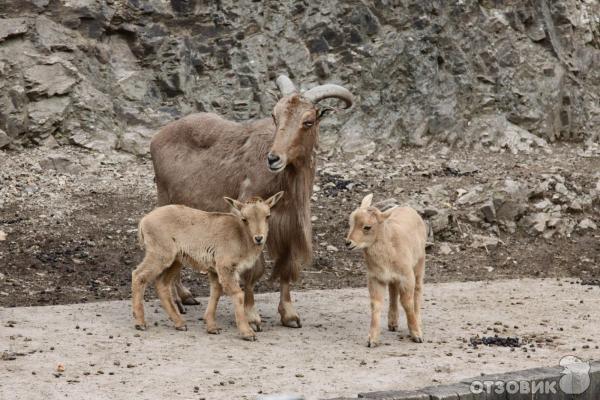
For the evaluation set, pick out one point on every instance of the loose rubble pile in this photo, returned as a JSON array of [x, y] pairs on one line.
[[68, 217], [555, 202]]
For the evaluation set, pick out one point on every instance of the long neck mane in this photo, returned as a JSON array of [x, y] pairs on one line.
[[297, 182]]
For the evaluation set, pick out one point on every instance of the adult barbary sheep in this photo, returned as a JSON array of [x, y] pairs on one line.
[[221, 244], [203, 157], [393, 243]]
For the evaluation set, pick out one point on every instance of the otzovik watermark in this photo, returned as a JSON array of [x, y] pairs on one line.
[[575, 379]]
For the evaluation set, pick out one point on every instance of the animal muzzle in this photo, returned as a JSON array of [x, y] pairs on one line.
[[350, 245], [275, 162], [259, 239]]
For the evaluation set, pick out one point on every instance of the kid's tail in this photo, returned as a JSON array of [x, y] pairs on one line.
[[140, 234]]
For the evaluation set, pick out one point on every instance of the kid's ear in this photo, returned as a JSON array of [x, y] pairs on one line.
[[271, 201], [382, 216], [366, 201], [236, 206]]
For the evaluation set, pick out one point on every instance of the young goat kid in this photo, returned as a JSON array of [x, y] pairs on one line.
[[393, 243], [223, 245]]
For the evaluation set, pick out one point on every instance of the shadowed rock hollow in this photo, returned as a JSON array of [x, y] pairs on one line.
[[106, 74]]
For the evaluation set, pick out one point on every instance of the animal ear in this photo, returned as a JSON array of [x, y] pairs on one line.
[[366, 201], [382, 216], [235, 205], [323, 111], [271, 201]]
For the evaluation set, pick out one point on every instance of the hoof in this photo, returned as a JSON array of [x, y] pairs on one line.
[[289, 316], [417, 339], [214, 331], [190, 301], [249, 338], [392, 328], [181, 328], [254, 319], [372, 343], [141, 327], [293, 322]]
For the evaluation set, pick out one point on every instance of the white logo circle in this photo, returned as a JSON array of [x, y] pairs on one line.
[[575, 377]]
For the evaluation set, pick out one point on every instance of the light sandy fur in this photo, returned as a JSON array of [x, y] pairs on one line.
[[224, 245], [393, 243]]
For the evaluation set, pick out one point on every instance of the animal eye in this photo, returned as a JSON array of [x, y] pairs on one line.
[[244, 220], [268, 216], [367, 228], [308, 124]]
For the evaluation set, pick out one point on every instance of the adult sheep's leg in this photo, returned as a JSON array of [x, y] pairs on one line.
[[289, 315], [287, 271], [250, 277], [148, 270], [185, 296]]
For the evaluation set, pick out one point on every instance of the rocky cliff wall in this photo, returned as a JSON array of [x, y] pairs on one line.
[[106, 74]]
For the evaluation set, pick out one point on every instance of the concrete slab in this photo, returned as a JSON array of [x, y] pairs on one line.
[[395, 395], [104, 357]]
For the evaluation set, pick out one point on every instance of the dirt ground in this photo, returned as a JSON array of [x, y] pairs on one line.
[[70, 219], [104, 357]]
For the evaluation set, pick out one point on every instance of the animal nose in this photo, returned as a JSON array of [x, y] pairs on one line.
[[348, 243], [258, 239], [272, 158]]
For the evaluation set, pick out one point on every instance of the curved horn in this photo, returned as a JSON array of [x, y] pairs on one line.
[[285, 85], [319, 93]]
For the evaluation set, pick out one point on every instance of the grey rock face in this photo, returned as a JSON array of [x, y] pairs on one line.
[[12, 27], [500, 74]]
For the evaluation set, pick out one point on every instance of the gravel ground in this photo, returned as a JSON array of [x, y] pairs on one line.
[[68, 217], [104, 357]]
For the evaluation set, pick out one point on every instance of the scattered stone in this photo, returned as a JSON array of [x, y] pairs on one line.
[[543, 204], [459, 169], [538, 221], [445, 249], [60, 164], [488, 211], [10, 27], [485, 241], [587, 223], [4, 139], [440, 222], [470, 197], [560, 188]]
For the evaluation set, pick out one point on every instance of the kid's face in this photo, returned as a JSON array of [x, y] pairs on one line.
[[363, 226]]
